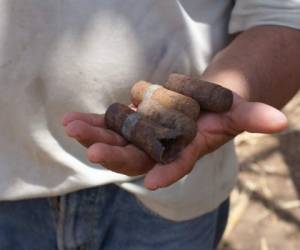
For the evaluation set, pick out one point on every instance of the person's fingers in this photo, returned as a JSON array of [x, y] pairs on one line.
[[92, 119], [257, 118], [163, 175], [127, 160], [87, 135]]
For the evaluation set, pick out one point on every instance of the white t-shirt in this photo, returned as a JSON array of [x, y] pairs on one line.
[[64, 55]]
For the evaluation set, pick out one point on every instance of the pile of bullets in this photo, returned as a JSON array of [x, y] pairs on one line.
[[166, 118]]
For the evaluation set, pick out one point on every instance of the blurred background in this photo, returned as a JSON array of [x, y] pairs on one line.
[[265, 205]]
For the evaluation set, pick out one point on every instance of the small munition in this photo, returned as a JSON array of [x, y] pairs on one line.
[[160, 143], [210, 96], [169, 118], [169, 99], [166, 118]]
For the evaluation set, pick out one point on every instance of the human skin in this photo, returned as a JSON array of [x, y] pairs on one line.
[[261, 66]]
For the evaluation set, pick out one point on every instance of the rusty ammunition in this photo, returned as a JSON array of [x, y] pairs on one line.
[[160, 143], [210, 96], [169, 99], [169, 118]]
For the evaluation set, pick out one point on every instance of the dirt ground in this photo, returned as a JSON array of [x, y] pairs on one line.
[[265, 212]]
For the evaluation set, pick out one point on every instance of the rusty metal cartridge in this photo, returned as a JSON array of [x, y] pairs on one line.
[[169, 118], [160, 143], [169, 99], [210, 96]]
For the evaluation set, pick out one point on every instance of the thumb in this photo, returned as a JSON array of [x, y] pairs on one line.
[[258, 117]]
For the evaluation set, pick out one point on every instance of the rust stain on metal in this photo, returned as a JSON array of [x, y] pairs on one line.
[[210, 96], [160, 143], [169, 118], [169, 99]]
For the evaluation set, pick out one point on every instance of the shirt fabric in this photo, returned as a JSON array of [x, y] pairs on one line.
[[64, 55]]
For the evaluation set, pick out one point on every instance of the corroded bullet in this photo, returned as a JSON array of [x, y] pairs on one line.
[[169, 99], [160, 143], [210, 96], [169, 118]]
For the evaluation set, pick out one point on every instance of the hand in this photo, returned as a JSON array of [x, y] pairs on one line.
[[104, 146], [112, 151]]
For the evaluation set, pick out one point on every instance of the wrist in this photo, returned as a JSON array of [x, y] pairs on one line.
[[229, 78]]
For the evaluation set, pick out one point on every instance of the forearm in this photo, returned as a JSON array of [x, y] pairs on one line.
[[261, 64]]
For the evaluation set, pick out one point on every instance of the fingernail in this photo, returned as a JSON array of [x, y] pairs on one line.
[[151, 184]]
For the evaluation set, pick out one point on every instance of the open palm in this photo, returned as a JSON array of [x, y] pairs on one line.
[[111, 151]]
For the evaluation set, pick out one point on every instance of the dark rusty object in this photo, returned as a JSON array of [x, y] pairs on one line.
[[160, 143], [165, 122], [210, 96], [169, 99], [169, 118]]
